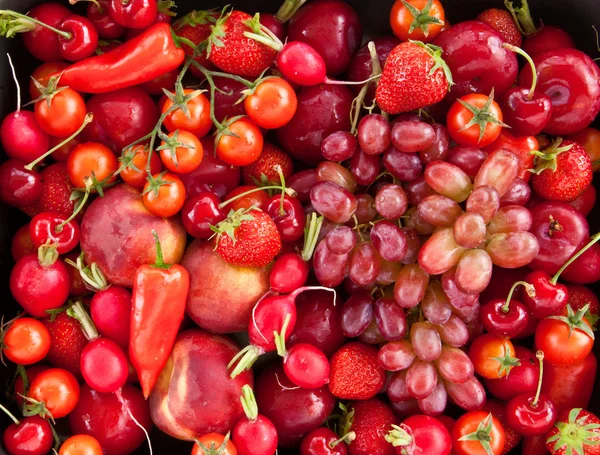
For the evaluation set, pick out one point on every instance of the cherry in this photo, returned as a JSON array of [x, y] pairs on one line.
[[289, 272], [547, 38], [586, 201], [586, 268], [288, 215], [227, 93], [54, 228], [531, 414], [522, 379], [81, 39], [30, 436], [254, 434], [524, 110], [97, 13], [200, 212], [506, 318], [20, 187], [276, 26], [133, 13], [41, 42], [306, 366], [323, 441]]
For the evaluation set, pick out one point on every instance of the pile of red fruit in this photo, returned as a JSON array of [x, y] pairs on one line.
[[395, 233]]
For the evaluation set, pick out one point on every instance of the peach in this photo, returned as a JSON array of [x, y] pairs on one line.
[[221, 296], [116, 234]]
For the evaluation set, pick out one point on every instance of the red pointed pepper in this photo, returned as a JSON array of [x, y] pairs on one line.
[[159, 296], [521, 146]]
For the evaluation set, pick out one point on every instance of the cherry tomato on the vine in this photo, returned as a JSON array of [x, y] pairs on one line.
[[26, 341], [184, 155], [81, 444], [474, 120], [164, 194], [92, 160], [273, 103], [58, 389], [63, 115], [243, 149], [213, 442], [42, 74], [421, 20], [478, 433], [134, 161], [492, 356], [198, 123]]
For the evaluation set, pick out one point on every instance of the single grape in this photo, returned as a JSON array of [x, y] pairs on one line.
[[339, 146], [485, 201], [372, 335], [469, 230], [513, 250], [328, 171], [457, 298], [341, 240], [391, 319], [473, 271], [329, 268], [448, 180], [518, 193], [389, 240], [365, 208], [417, 190], [454, 365], [391, 201], [421, 379], [365, 264], [411, 285], [440, 252], [438, 150], [412, 136], [435, 403], [469, 395], [396, 356], [469, 159], [388, 273], [413, 245], [454, 332], [435, 305], [403, 166], [397, 390], [511, 218], [426, 341], [470, 316], [415, 221], [373, 134], [439, 211], [364, 167], [333, 202], [498, 170]]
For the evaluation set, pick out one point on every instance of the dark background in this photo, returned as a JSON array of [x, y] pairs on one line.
[[576, 16]]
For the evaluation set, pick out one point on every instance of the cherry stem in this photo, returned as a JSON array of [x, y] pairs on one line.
[[249, 403], [77, 311], [62, 33], [540, 356], [288, 9], [311, 235], [347, 438], [282, 200], [573, 258], [254, 190], [528, 287], [14, 75], [160, 263], [525, 55], [280, 336], [88, 186], [88, 119], [9, 414]]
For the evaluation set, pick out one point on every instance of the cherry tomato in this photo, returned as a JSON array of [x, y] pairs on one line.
[[198, 123], [403, 20], [255, 199], [188, 152], [58, 389], [273, 103], [243, 149], [213, 442], [26, 341], [492, 356], [485, 114], [164, 195], [137, 157], [92, 160], [564, 340], [63, 115], [81, 444], [42, 74], [472, 423]]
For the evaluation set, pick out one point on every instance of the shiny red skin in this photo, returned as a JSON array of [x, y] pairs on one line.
[[294, 412], [322, 110], [301, 64], [473, 51], [318, 441], [372, 420], [22, 138], [497, 322], [528, 420], [289, 272], [120, 117], [302, 182], [585, 269], [522, 379], [527, 116], [19, 187], [255, 437], [166, 81], [21, 243], [332, 28], [318, 322], [102, 416], [430, 436], [201, 211], [572, 81], [497, 408], [43, 228], [41, 42], [104, 365], [549, 298], [586, 201], [289, 217], [557, 245], [518, 193], [548, 37], [110, 310], [534, 445], [134, 13], [278, 29], [212, 174], [37, 288], [501, 282], [226, 97], [360, 68], [306, 366], [105, 25], [32, 436], [469, 159], [570, 386], [83, 40]]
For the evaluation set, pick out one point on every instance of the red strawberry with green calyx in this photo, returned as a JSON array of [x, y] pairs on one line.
[[195, 27], [415, 76], [577, 432], [370, 421], [248, 238], [68, 341], [503, 22], [563, 171], [355, 373]]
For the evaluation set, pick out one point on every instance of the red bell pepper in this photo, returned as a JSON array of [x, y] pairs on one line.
[[520, 146], [159, 297], [141, 59]]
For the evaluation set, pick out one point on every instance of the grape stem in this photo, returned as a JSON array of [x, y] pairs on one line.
[[357, 103], [540, 356], [528, 288], [593, 240], [524, 54]]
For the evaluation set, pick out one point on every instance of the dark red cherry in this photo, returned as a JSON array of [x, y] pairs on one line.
[[19, 187], [201, 211], [288, 215]]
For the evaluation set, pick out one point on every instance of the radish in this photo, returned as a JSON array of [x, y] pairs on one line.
[[254, 434], [306, 366], [110, 310], [289, 272]]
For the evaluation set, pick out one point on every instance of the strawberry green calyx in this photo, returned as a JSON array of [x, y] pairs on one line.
[[576, 320], [217, 31], [574, 434], [422, 19], [481, 116], [262, 34], [198, 17], [234, 220], [547, 159], [249, 403], [483, 434], [522, 17], [346, 420], [435, 53], [400, 436]]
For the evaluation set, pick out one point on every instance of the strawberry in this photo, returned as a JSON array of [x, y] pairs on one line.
[[580, 296], [370, 420], [512, 439], [576, 431], [68, 341], [415, 76], [248, 238], [502, 21], [355, 373], [196, 27], [563, 171], [233, 51], [264, 170]]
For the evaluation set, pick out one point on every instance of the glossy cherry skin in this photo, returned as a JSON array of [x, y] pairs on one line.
[[276, 27], [509, 324], [200, 212], [105, 25], [288, 216], [549, 298], [523, 379], [561, 231], [318, 441], [255, 437], [332, 28], [570, 78], [478, 62], [42, 42], [19, 187], [289, 272], [133, 13], [547, 38], [44, 227], [527, 116], [83, 40], [528, 419], [226, 96], [585, 269], [32, 436]]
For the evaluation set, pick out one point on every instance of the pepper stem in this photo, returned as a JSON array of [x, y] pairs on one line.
[[527, 57], [280, 337], [9, 414], [160, 263], [78, 312], [540, 356], [573, 258], [288, 9], [249, 403], [528, 288], [347, 438], [87, 119]]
